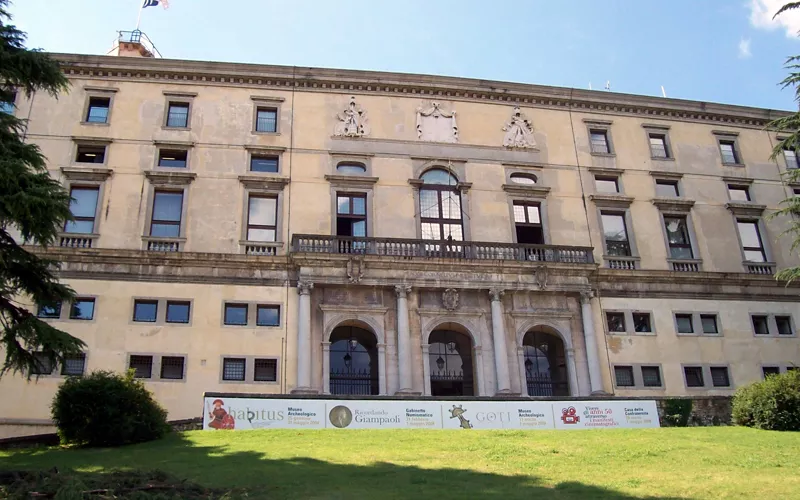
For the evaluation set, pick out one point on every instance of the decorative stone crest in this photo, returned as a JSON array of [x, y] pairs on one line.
[[304, 287], [353, 121], [355, 269], [402, 291], [435, 124], [519, 131], [450, 299], [496, 294], [587, 296], [541, 277]]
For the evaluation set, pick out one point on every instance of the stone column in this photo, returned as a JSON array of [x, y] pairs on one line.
[[403, 341], [592, 358], [382, 369], [304, 339], [573, 373], [523, 377], [326, 368], [426, 369], [499, 339], [479, 390]]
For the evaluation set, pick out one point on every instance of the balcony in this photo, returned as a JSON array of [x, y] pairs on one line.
[[767, 268], [432, 249]]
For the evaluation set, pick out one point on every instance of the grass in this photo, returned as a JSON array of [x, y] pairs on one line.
[[717, 462]]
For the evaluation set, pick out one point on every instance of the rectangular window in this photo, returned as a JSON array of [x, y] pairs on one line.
[[738, 193], [98, 110], [651, 376], [616, 321], [728, 151], [145, 310], [770, 370], [784, 325], [684, 323], [528, 223], [172, 158], [606, 184], [351, 214], [142, 365], [233, 368], [624, 376], [709, 322], [790, 155], [74, 365], [90, 154], [178, 115], [760, 325], [172, 367], [262, 216], [261, 163], [694, 376], [599, 141], [167, 210], [49, 311], [719, 376], [266, 120], [83, 205], [236, 314], [7, 106], [752, 244], [680, 246], [668, 189], [615, 233], [642, 323], [266, 370], [178, 311], [268, 315], [42, 364], [658, 146], [82, 309]]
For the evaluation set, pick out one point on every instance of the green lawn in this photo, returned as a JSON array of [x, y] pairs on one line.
[[718, 462]]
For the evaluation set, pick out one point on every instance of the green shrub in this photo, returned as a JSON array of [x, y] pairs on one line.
[[772, 404], [677, 412], [107, 409]]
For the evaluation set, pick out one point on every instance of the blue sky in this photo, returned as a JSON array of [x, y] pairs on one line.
[[709, 50]]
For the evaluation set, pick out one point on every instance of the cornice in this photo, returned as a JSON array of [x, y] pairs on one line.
[[425, 86], [354, 181], [264, 182], [745, 208], [611, 200], [666, 175], [673, 204], [89, 174], [162, 178], [526, 190]]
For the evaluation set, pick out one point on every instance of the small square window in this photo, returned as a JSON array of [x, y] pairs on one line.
[[98, 110], [784, 324], [172, 367], [616, 321], [261, 163], [694, 376], [658, 146], [709, 322], [90, 154], [178, 312], [7, 106], [599, 141], [666, 188], [145, 310], [651, 376], [642, 323], [268, 316], [728, 151], [74, 365], [172, 158], [624, 376], [719, 376], [266, 119], [738, 193], [49, 311], [82, 309], [178, 115], [142, 365], [770, 370], [266, 370], [236, 314], [43, 364], [760, 325], [233, 369], [684, 322], [606, 184]]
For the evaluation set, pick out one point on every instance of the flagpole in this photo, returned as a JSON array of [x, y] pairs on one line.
[[139, 19]]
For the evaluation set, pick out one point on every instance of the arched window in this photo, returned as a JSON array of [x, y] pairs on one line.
[[440, 207], [351, 168], [529, 179], [450, 364], [545, 365], [439, 176], [353, 362]]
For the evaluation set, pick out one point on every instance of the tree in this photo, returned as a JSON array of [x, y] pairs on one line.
[[791, 126], [32, 204]]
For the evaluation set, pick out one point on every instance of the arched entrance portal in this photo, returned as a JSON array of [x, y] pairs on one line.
[[545, 364], [451, 364], [353, 362]]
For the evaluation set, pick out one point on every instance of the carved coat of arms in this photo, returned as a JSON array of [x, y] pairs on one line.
[[450, 299], [541, 277], [355, 269]]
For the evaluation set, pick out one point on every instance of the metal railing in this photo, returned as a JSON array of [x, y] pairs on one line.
[[541, 385], [352, 382], [137, 36]]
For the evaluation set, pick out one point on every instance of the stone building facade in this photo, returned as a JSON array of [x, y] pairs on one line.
[[264, 229]]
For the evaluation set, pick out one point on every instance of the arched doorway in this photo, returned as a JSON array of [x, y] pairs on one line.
[[451, 366], [353, 362], [545, 364]]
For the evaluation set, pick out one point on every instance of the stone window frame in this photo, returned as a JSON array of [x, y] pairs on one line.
[[629, 324], [672, 177], [267, 102], [747, 211], [782, 368], [276, 151], [155, 373], [87, 177], [617, 207], [338, 157], [600, 126], [786, 163], [354, 185], [187, 146], [175, 181], [78, 141], [58, 367], [708, 383], [66, 307], [681, 208], [266, 185], [607, 173], [739, 187], [177, 97], [161, 311], [95, 92], [729, 136], [252, 311], [661, 130], [772, 325], [457, 168], [638, 377], [250, 369], [527, 193], [697, 323]]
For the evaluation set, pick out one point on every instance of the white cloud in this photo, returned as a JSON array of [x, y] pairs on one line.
[[761, 12], [744, 48]]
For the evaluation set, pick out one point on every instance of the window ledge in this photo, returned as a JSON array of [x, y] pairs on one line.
[[257, 148], [733, 165], [261, 248], [258, 132], [715, 335], [164, 127], [96, 124], [666, 175], [460, 187], [264, 181], [611, 200], [351, 180], [527, 190], [673, 204], [745, 208], [92, 174], [161, 177], [662, 158], [604, 155], [178, 144], [83, 139]]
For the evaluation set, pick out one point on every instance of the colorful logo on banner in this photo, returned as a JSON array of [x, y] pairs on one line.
[[569, 415], [219, 416], [340, 416], [458, 412]]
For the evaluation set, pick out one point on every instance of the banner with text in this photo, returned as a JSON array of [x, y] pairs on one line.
[[253, 413]]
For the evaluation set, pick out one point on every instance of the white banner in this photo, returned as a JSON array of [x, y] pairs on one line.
[[256, 413]]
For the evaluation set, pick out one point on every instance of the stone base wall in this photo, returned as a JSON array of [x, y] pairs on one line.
[[706, 410]]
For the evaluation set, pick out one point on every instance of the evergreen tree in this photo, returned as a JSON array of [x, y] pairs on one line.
[[32, 205]]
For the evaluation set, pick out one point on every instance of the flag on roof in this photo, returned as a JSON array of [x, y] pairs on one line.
[[153, 3]]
